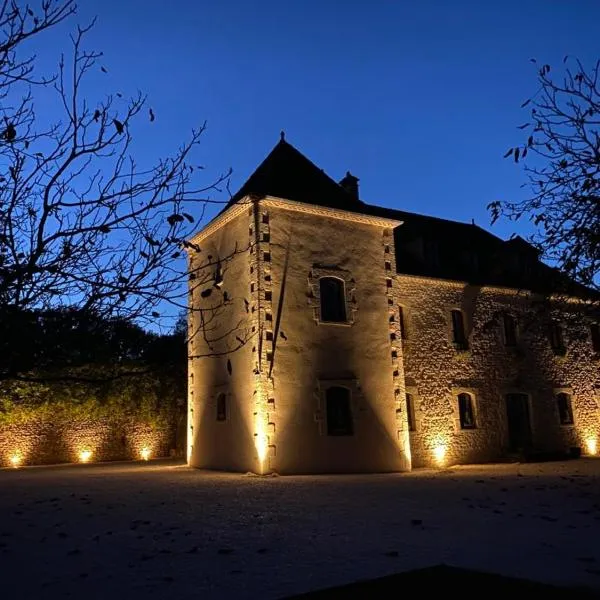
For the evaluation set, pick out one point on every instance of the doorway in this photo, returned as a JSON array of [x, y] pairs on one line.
[[519, 422]]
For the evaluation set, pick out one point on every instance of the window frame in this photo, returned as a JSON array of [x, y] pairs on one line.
[[463, 343], [506, 316], [559, 392], [403, 322], [341, 299], [473, 411], [411, 419], [221, 416], [350, 429], [560, 348]]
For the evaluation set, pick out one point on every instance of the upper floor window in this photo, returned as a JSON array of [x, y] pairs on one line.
[[466, 411], [410, 412], [565, 411], [402, 323], [339, 412], [595, 335], [509, 327], [333, 300], [221, 407], [557, 341], [459, 336]]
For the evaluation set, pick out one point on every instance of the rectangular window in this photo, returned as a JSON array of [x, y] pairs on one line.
[[339, 412], [557, 342], [466, 411], [510, 330], [402, 323], [595, 335], [565, 411], [410, 412], [458, 330]]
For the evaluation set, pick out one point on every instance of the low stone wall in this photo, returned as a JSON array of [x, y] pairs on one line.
[[41, 424]]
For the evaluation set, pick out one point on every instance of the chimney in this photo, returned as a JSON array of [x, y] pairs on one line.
[[350, 184]]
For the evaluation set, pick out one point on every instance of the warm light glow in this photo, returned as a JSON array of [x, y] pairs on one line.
[[261, 443], [145, 453], [16, 460], [85, 455], [592, 445], [440, 454]]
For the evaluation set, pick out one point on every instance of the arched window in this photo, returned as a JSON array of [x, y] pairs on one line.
[[221, 407], [333, 300], [339, 412], [459, 336], [565, 411], [466, 411]]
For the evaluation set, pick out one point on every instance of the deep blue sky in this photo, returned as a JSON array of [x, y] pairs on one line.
[[418, 99]]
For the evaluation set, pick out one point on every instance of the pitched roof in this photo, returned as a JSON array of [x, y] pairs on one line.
[[287, 173], [425, 245]]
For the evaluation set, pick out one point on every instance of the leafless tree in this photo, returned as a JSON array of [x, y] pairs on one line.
[[561, 154], [81, 223]]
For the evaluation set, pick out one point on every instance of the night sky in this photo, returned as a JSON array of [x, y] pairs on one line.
[[420, 100]]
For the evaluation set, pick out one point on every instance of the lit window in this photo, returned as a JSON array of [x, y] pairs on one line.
[[555, 334], [565, 412], [595, 335], [458, 330], [221, 407], [333, 300], [510, 330], [339, 413], [410, 412], [465, 411]]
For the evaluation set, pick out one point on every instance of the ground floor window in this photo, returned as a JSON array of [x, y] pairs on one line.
[[466, 411], [565, 411], [339, 411]]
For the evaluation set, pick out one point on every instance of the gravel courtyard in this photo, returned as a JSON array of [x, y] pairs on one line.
[[160, 530]]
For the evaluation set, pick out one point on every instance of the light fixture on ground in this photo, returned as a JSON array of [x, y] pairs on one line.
[[439, 452], [16, 460], [145, 453], [85, 456], [591, 445]]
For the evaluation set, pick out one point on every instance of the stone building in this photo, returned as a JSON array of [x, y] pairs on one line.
[[330, 335]]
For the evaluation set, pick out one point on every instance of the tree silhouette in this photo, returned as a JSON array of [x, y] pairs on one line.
[[82, 225], [561, 153]]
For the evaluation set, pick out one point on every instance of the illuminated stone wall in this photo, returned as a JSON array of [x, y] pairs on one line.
[[436, 372], [36, 437], [229, 444], [276, 417]]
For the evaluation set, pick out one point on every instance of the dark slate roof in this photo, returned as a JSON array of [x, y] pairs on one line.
[[286, 173], [425, 245]]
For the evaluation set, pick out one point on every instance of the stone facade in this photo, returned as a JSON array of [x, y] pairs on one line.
[[267, 405]]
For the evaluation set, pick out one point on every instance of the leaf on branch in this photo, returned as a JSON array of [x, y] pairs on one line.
[[174, 218], [524, 153], [122, 279], [104, 229], [523, 126], [532, 60], [229, 369], [152, 117], [508, 153], [176, 255], [206, 293], [517, 155], [188, 217], [97, 114], [144, 254], [225, 296], [104, 69], [283, 336], [530, 141], [526, 103], [10, 133], [155, 314], [118, 126]]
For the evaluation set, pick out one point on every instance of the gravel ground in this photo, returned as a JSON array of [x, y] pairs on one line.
[[159, 529]]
